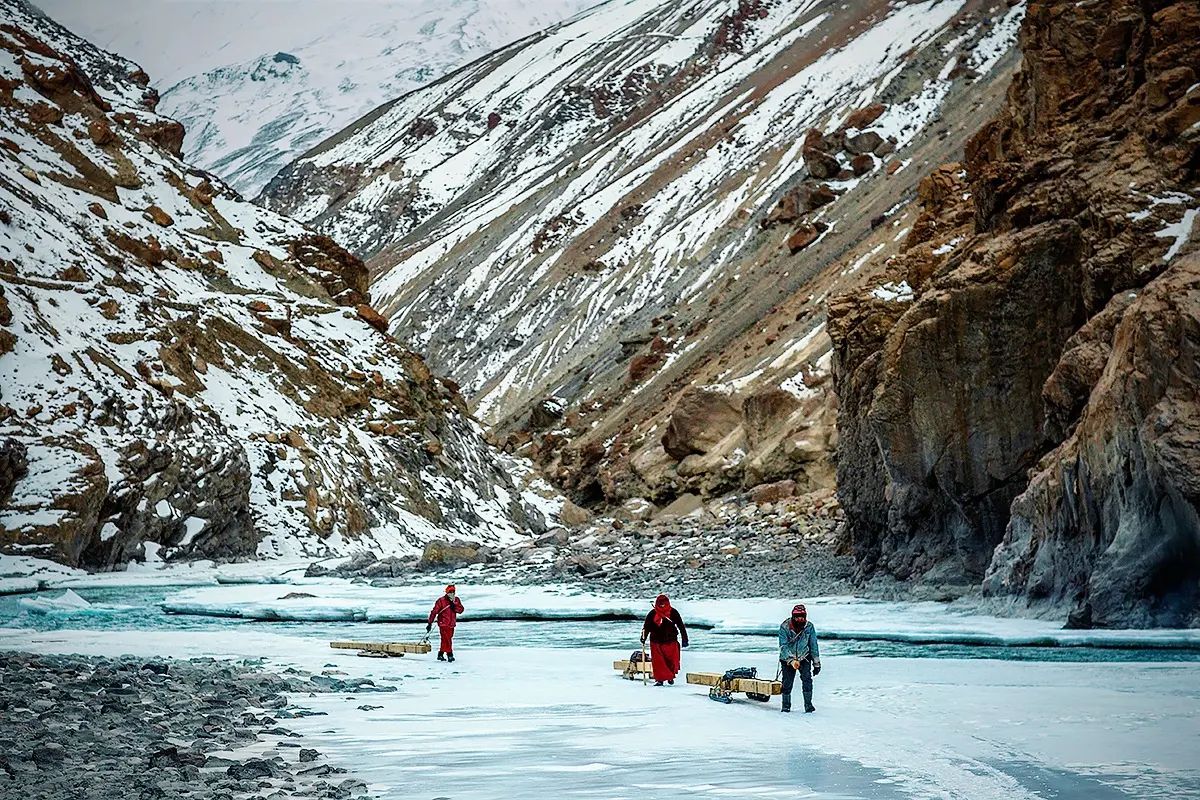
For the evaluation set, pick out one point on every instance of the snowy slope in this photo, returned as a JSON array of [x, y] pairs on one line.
[[257, 84], [183, 373], [526, 214]]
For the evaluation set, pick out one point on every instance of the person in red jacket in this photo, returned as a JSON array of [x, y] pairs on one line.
[[445, 610], [664, 626]]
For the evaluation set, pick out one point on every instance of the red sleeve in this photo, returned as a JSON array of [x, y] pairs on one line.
[[458, 606], [436, 608]]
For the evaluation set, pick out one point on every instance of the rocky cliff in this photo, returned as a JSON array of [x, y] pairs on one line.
[[1024, 413], [183, 374]]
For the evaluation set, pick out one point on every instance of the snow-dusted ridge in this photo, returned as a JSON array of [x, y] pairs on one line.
[[257, 84], [530, 210], [184, 374]]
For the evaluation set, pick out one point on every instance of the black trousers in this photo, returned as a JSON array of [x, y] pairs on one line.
[[789, 677]]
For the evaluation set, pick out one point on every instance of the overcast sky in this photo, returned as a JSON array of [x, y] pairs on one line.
[[174, 39]]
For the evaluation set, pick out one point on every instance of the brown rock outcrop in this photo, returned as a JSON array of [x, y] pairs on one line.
[[1029, 415]]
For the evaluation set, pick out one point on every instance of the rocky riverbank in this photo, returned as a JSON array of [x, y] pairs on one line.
[[80, 727], [735, 548]]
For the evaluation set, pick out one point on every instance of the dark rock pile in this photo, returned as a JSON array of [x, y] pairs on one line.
[[79, 727]]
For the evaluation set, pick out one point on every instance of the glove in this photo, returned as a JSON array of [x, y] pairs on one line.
[[685, 644], [816, 668], [428, 627]]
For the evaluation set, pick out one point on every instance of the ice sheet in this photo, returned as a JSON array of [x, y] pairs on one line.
[[834, 617], [513, 722]]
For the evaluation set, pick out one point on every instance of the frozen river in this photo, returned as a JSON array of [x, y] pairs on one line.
[[948, 704]]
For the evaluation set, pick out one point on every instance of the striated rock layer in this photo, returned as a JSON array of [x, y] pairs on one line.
[[183, 374], [1018, 397]]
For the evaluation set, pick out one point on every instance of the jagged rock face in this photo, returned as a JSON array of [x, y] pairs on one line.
[[1025, 389], [183, 374], [1111, 517]]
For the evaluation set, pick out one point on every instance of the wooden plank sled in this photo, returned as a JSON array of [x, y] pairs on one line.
[[633, 668], [385, 648], [755, 688]]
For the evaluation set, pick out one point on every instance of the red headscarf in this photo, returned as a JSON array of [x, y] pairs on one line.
[[662, 609]]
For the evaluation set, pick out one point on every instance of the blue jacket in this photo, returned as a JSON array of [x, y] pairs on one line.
[[798, 645]]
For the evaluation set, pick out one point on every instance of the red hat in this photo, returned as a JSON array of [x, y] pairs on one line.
[[450, 588], [799, 609]]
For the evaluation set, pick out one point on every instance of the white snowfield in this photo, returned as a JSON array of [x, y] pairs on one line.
[[523, 722], [256, 84]]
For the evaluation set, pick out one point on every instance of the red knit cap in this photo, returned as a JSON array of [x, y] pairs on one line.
[[450, 588], [799, 609]]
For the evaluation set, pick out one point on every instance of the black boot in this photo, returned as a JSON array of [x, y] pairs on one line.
[[450, 657], [787, 703], [808, 706], [441, 656]]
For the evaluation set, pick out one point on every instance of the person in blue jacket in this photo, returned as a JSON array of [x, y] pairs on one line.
[[798, 652]]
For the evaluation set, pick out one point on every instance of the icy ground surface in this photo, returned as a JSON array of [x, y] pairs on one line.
[[523, 719], [533, 708]]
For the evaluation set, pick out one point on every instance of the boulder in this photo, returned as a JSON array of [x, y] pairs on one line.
[[546, 413], [862, 164], [372, 317], [864, 142], [702, 417], [863, 117], [772, 492], [251, 769], [159, 217], [439, 554], [14, 465], [797, 202], [820, 164], [804, 235], [573, 515], [637, 508], [100, 132], [685, 505]]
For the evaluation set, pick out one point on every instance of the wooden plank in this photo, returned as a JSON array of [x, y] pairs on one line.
[[756, 685], [390, 648], [638, 667]]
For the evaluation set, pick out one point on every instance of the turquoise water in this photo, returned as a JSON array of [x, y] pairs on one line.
[[137, 608]]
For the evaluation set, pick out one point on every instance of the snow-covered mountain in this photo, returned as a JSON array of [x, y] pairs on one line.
[[185, 374], [646, 199], [257, 84]]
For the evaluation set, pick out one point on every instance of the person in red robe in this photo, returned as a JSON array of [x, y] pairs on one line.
[[445, 611], [664, 628]]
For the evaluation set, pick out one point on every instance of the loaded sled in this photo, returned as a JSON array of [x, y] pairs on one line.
[[723, 686], [636, 667]]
